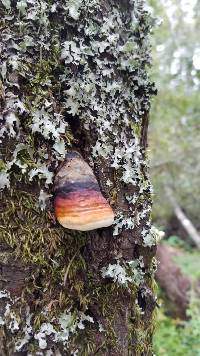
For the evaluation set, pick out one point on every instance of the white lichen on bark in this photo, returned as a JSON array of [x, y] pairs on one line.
[[95, 72]]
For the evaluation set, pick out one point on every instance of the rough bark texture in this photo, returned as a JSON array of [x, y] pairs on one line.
[[58, 273]]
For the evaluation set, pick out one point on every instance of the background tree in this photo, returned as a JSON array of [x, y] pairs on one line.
[[175, 115], [73, 77], [174, 145]]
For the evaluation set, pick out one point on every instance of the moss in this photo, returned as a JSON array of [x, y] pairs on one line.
[[136, 127], [55, 253], [56, 257], [2, 165], [70, 87], [36, 240]]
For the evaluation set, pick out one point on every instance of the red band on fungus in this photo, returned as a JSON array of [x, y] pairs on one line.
[[78, 203]]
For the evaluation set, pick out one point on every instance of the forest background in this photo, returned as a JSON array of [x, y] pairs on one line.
[[175, 168]]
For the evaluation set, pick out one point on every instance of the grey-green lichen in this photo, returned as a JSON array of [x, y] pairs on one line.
[[61, 61], [39, 93], [59, 264], [57, 329]]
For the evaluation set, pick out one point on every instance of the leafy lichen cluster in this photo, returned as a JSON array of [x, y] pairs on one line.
[[66, 63]]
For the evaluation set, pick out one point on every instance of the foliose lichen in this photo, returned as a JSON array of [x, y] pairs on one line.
[[61, 62]]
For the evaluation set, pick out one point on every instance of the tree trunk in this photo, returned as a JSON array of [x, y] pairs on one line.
[[74, 78]]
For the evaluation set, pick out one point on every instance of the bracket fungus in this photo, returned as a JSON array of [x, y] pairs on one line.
[[78, 203]]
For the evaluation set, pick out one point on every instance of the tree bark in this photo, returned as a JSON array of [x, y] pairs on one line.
[[81, 66]]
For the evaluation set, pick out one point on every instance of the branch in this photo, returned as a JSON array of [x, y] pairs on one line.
[[185, 222]]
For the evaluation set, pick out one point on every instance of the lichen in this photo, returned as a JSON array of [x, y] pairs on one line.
[[131, 271], [64, 62], [57, 329], [153, 237]]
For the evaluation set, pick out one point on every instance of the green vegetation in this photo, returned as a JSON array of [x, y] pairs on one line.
[[175, 336], [174, 145], [174, 130]]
